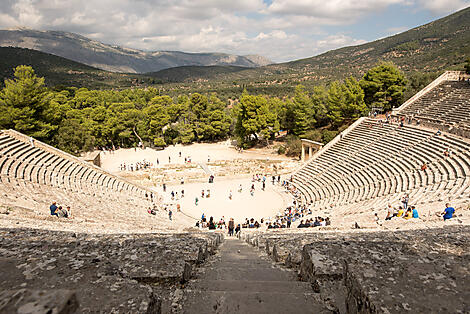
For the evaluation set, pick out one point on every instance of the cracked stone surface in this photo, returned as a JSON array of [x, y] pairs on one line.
[[109, 273], [416, 271]]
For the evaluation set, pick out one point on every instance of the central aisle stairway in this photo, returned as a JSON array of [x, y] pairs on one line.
[[241, 281]]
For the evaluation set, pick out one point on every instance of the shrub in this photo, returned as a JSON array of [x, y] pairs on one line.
[[281, 150], [159, 142], [294, 146], [328, 136]]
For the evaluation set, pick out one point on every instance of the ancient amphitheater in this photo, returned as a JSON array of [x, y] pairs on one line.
[[114, 257]]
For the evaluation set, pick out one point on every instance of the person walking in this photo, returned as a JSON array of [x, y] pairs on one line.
[[231, 227]]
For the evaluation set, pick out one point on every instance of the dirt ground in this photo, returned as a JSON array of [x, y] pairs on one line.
[[230, 168]]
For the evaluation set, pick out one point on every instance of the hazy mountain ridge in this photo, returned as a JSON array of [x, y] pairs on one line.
[[115, 58], [60, 71]]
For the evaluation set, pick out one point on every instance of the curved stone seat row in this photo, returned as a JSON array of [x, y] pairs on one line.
[[32, 175], [45, 165], [378, 160], [448, 103]]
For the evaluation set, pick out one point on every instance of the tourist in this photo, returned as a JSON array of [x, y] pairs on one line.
[[211, 223], [208, 194], [238, 230], [401, 212], [390, 212], [69, 212], [53, 209], [62, 212], [230, 195], [289, 221], [405, 201], [164, 187], [169, 159], [202, 193], [196, 201], [409, 214], [231, 227], [415, 212], [448, 213], [170, 214]]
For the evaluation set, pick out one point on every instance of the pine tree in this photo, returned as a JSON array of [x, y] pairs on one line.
[[25, 105], [384, 86]]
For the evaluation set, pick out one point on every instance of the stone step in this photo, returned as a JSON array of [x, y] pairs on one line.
[[251, 302], [253, 286], [38, 301], [248, 273]]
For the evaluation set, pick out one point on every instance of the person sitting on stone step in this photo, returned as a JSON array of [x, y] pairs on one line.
[[448, 213], [62, 213], [53, 209], [401, 212], [408, 214]]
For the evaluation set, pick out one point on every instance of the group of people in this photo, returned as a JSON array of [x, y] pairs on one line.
[[318, 222], [407, 211], [137, 166], [219, 225], [60, 211]]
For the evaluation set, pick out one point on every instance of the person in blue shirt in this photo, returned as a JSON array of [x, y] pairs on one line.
[[53, 209], [415, 212], [448, 213]]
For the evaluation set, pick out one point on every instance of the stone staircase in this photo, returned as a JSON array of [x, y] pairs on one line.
[[241, 281]]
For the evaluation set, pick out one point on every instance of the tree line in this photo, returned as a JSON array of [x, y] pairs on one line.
[[78, 119]]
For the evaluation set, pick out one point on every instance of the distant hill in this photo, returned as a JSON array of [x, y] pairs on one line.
[[61, 71], [437, 46], [193, 73], [115, 58]]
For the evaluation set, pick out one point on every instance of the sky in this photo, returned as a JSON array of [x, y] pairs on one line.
[[281, 30]]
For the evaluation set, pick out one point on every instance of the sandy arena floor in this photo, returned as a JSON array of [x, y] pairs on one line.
[[199, 153], [262, 204]]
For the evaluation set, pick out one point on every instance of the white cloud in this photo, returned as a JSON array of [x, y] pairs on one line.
[[444, 6], [282, 31], [337, 41], [332, 11]]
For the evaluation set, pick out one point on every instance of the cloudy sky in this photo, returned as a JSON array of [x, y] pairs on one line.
[[281, 30]]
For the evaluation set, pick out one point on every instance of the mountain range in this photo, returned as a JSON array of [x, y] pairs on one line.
[[441, 45], [115, 58]]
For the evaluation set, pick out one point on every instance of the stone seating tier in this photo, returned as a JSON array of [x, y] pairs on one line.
[[32, 176], [352, 171]]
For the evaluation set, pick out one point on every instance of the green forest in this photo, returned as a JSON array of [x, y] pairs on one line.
[[78, 119]]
